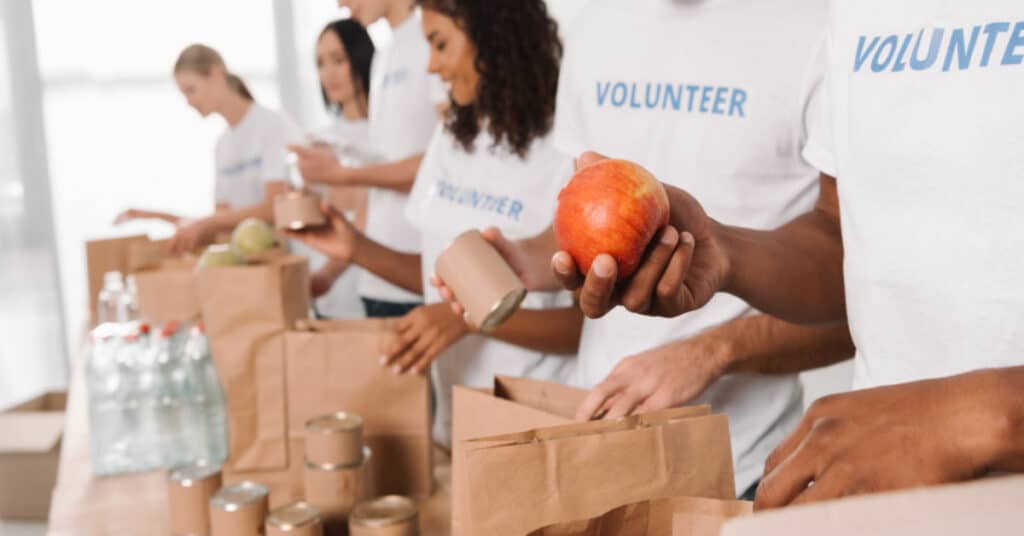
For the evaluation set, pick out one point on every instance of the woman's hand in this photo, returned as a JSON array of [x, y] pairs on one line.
[[422, 335], [318, 164], [337, 239], [191, 236]]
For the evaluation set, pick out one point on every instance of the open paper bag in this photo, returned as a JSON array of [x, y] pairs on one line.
[[514, 484], [246, 310], [677, 516], [513, 405], [334, 366]]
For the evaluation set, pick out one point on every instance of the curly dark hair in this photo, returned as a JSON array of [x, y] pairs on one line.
[[518, 57]]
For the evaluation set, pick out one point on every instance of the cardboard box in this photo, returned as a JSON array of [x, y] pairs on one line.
[[993, 506], [30, 436]]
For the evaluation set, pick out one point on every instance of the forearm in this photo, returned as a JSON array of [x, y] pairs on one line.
[[551, 331], [333, 268], [766, 345], [226, 220], [402, 269], [999, 393], [157, 215], [398, 176], [794, 272]]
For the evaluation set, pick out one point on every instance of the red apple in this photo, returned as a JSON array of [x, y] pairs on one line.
[[614, 207]]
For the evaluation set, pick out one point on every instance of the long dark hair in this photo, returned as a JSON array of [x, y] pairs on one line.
[[518, 58], [201, 59], [359, 49]]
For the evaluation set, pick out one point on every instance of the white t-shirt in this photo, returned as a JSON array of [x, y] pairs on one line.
[[352, 140], [403, 116], [251, 154], [457, 191], [928, 152], [709, 97]]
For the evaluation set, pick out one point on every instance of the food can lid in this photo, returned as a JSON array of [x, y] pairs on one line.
[[235, 497], [383, 511], [336, 423], [193, 473], [503, 309], [294, 516]]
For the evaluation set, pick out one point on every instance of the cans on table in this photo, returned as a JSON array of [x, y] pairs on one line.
[[189, 490], [297, 519], [335, 439], [336, 489], [239, 510], [391, 515]]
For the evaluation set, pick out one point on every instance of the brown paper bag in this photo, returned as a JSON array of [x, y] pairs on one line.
[[102, 256], [513, 405], [148, 254], [581, 471], [678, 516], [991, 506], [246, 310], [334, 366], [167, 292]]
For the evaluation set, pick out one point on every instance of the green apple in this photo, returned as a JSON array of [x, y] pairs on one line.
[[252, 236]]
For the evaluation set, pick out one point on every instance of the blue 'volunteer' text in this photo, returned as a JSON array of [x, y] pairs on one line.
[[504, 205], [995, 43], [715, 100]]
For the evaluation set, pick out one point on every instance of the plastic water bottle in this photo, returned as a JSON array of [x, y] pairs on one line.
[[109, 301], [128, 307], [167, 396], [140, 431], [211, 403], [103, 382]]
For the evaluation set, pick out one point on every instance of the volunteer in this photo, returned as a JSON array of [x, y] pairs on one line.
[[492, 164], [403, 116], [723, 115], [250, 155], [916, 240], [344, 52]]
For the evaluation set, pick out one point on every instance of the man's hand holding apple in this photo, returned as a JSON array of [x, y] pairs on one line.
[[677, 270]]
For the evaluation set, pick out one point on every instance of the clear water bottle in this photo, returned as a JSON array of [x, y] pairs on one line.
[[103, 382], [167, 398], [212, 400], [128, 308], [140, 434], [109, 301]]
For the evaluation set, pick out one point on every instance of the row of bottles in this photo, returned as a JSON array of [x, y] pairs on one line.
[[155, 399]]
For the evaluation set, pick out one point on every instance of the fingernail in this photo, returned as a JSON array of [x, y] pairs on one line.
[[383, 360], [602, 268], [669, 237], [688, 239], [397, 369], [560, 264]]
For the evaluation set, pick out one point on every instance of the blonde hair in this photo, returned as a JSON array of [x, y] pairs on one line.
[[201, 59]]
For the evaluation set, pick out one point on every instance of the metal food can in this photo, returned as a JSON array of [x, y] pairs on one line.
[[335, 439], [391, 515], [189, 490], [295, 211], [485, 285], [239, 510], [335, 490], [296, 519]]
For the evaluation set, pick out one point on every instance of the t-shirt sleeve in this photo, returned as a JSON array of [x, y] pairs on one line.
[[426, 178], [818, 127], [567, 134]]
